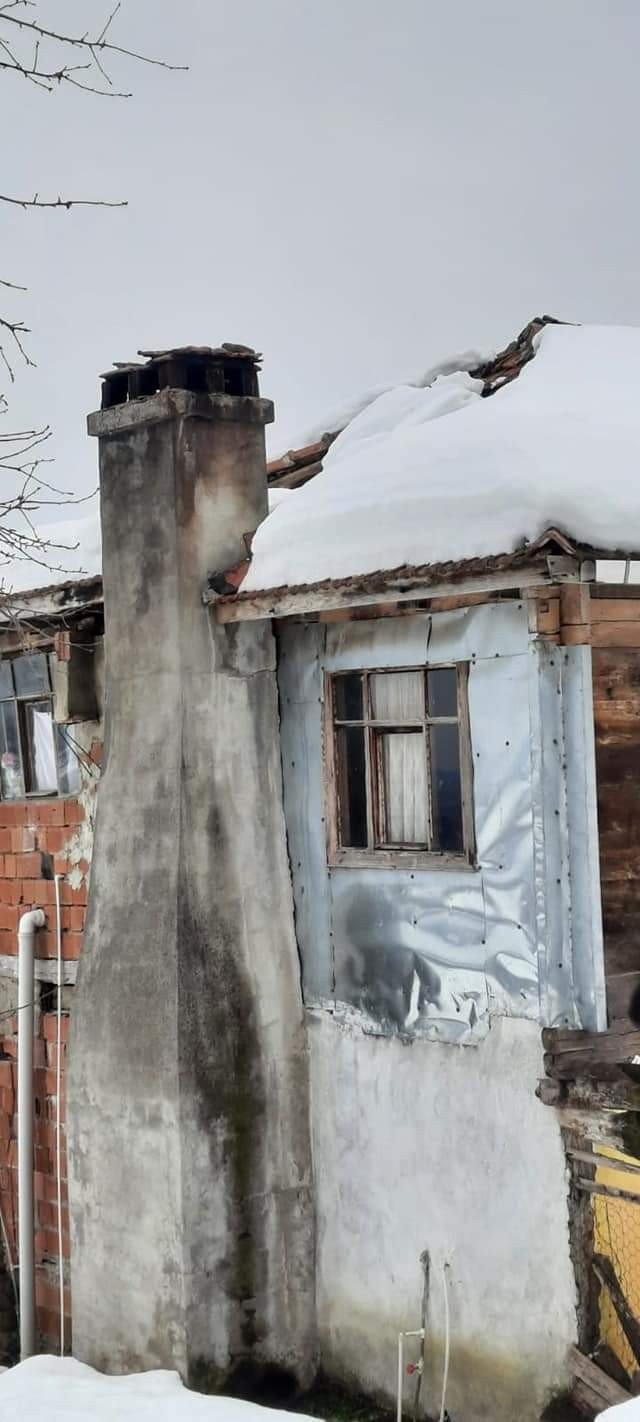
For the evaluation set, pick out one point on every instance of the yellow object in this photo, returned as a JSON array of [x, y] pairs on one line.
[[617, 1237]]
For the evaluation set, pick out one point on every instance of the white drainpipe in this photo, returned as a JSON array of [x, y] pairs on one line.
[[26, 936]]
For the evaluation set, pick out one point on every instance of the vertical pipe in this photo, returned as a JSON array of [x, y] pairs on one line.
[[58, 880], [400, 1378], [26, 934]]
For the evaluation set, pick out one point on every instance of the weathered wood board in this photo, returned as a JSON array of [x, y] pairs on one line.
[[616, 679]]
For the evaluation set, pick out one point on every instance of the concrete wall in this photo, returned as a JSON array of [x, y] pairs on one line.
[[188, 1110], [429, 1146]]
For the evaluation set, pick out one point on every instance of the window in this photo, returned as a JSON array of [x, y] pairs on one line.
[[35, 758], [399, 761]]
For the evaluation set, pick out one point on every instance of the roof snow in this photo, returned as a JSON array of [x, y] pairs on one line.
[[439, 474], [71, 550]]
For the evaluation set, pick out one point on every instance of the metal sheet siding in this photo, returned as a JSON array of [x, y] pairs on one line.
[[430, 952]]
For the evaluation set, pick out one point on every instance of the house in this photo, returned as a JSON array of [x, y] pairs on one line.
[[362, 913]]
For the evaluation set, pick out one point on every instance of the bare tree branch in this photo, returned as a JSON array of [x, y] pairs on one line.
[[48, 59], [36, 201], [97, 49]]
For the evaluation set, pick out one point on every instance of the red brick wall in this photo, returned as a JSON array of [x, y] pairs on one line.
[[39, 839]]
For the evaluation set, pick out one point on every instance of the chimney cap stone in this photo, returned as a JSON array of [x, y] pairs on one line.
[[204, 370]]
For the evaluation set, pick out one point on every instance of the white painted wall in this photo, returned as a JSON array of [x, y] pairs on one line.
[[445, 1148]]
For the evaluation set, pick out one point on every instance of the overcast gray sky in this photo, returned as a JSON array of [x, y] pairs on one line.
[[357, 188]]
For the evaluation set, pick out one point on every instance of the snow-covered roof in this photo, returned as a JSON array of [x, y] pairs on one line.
[[435, 475], [71, 552]]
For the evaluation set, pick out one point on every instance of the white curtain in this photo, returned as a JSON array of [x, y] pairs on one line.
[[405, 788], [397, 696], [44, 758]]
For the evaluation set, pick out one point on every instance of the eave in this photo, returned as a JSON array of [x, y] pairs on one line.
[[553, 558]]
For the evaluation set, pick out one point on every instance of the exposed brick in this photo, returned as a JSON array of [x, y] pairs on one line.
[[29, 866], [23, 840], [48, 1325], [10, 891], [10, 867], [44, 1134], [39, 1052], [46, 1214], [9, 1047], [41, 892], [48, 939], [97, 752], [71, 945], [9, 916], [47, 1292], [13, 814], [50, 1189], [6, 1074], [7, 1099], [6, 1120], [73, 813], [40, 1185], [74, 896], [49, 813], [8, 942], [50, 1026], [53, 838], [5, 841], [52, 1055]]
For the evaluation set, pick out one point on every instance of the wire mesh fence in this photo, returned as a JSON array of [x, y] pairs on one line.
[[616, 1256]]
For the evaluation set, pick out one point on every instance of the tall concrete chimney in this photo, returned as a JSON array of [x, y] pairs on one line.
[[189, 1151]]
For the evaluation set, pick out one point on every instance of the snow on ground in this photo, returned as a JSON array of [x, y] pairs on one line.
[[47, 1389], [439, 474], [624, 1412]]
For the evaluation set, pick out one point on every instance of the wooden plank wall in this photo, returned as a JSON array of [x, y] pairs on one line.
[[615, 622]]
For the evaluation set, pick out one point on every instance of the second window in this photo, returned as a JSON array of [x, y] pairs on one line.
[[401, 761]]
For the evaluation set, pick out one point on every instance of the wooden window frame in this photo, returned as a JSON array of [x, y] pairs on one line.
[[378, 855], [21, 704]]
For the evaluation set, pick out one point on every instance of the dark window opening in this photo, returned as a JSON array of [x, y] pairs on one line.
[[35, 756], [401, 756]]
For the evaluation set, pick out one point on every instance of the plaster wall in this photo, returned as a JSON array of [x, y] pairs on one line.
[[432, 1146]]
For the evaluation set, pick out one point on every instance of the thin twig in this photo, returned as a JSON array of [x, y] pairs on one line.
[[35, 201]]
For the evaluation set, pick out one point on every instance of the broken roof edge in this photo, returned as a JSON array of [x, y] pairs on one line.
[[531, 563], [51, 600], [294, 467]]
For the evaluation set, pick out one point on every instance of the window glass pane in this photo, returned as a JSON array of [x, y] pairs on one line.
[[69, 777], [446, 790], [41, 770], [404, 776], [11, 777], [6, 679], [352, 786], [397, 696], [443, 691], [348, 697], [32, 675]]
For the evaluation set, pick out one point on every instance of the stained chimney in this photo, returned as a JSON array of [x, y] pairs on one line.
[[189, 1154]]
